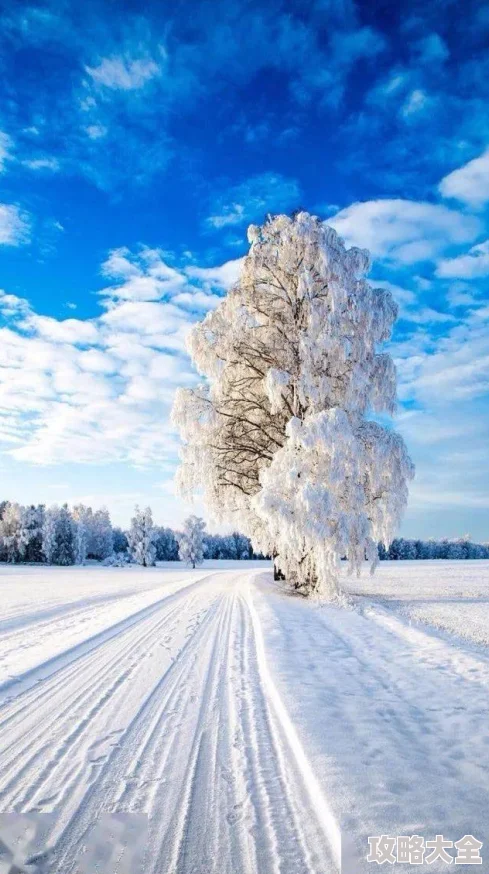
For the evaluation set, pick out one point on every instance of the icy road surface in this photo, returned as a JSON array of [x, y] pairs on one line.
[[253, 731]]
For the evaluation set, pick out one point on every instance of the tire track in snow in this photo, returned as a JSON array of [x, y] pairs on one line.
[[45, 723], [197, 738], [123, 780], [404, 735], [209, 753], [20, 684], [302, 789]]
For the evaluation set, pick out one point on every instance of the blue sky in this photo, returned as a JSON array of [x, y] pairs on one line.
[[136, 147]]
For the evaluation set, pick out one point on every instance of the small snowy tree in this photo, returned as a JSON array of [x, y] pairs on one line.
[[14, 534], [141, 537], [81, 518], [49, 533], [191, 541], [278, 438]]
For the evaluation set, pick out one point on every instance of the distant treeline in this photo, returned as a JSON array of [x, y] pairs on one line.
[[63, 536], [462, 547]]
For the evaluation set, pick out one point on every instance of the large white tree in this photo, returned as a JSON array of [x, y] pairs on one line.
[[278, 438], [141, 537], [191, 541]]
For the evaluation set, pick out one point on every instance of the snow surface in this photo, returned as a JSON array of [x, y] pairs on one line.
[[258, 733]]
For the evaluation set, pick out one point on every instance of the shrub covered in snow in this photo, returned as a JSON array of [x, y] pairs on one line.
[[118, 559]]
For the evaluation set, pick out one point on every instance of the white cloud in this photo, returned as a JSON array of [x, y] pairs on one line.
[[473, 265], [123, 73], [197, 300], [144, 318], [97, 361], [470, 183], [74, 331], [217, 277], [146, 275], [119, 264], [455, 368], [11, 305], [5, 150], [416, 102], [100, 390], [96, 131], [61, 402], [45, 163], [404, 231], [252, 199], [410, 307], [14, 225]]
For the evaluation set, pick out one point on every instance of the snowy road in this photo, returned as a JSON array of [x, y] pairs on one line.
[[252, 729]]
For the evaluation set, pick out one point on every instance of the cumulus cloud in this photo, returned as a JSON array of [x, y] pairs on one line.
[[473, 265], [404, 231], [145, 275], [223, 276], [455, 367], [14, 225], [72, 331], [99, 390], [470, 183], [11, 305]]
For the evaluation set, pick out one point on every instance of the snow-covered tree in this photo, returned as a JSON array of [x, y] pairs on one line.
[[278, 438], [64, 552], [14, 535], [191, 541], [58, 536], [119, 540], [33, 520], [49, 533], [100, 542], [82, 517], [141, 537], [166, 544]]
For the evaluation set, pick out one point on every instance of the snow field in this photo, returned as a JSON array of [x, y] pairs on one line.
[[257, 732]]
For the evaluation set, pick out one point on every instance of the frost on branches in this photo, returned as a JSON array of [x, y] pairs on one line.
[[191, 541], [278, 438]]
